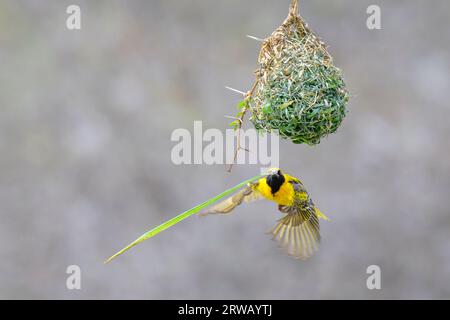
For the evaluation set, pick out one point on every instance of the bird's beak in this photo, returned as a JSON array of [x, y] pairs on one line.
[[272, 171]]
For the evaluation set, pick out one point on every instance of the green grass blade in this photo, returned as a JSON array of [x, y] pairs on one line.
[[153, 232]]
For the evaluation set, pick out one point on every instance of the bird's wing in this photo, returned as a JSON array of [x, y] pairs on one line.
[[298, 231], [247, 194]]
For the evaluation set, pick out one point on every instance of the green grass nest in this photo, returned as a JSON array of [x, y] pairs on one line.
[[298, 91]]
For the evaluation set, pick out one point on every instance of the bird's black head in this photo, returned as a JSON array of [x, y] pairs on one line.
[[275, 179]]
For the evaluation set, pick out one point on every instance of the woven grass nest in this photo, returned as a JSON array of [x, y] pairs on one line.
[[298, 90]]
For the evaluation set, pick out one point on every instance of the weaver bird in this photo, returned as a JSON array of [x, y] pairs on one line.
[[298, 230]]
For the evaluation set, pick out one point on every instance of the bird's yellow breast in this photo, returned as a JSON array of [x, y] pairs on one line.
[[284, 196]]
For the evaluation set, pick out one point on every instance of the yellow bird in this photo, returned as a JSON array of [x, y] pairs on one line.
[[298, 230]]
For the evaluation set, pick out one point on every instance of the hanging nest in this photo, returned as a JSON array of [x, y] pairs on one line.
[[298, 91]]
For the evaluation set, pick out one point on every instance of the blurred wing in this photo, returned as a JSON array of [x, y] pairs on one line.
[[298, 231], [247, 194]]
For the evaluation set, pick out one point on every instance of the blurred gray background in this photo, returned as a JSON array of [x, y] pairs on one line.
[[85, 124]]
